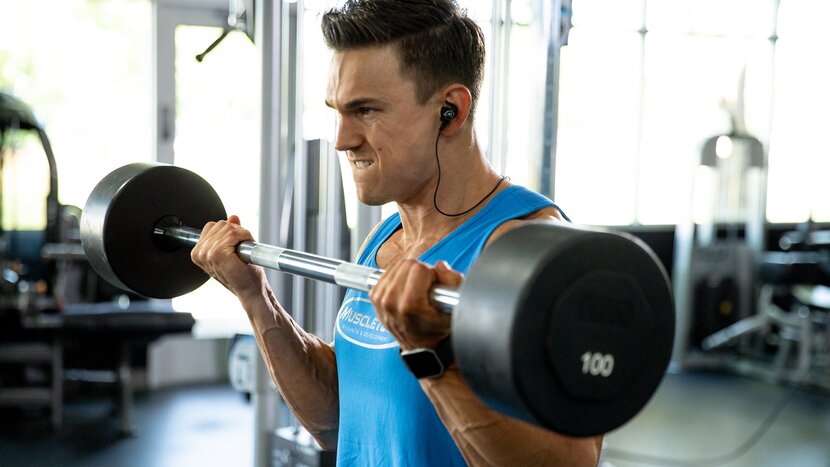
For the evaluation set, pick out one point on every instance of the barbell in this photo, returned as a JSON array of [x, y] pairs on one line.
[[566, 327]]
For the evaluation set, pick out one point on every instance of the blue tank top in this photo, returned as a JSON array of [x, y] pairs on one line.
[[385, 417]]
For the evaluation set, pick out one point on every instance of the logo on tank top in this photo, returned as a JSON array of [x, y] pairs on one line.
[[358, 324]]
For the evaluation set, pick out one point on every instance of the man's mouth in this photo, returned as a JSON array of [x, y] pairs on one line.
[[362, 164]]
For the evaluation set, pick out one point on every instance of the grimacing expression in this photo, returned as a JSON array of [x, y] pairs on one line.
[[386, 134]]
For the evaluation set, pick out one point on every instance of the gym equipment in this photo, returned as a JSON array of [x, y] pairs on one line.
[[29, 286], [565, 327], [791, 328], [719, 244], [14, 114]]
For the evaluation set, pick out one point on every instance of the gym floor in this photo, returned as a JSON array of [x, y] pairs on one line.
[[694, 419], [707, 419]]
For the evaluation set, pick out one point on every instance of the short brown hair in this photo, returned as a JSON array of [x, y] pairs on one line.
[[437, 42]]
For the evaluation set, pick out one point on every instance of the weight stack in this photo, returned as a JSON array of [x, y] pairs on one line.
[[722, 285]]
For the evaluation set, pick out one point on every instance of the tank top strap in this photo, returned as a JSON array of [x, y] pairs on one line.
[[386, 228], [511, 203], [463, 245]]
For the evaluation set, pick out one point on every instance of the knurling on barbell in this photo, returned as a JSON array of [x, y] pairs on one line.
[[566, 327]]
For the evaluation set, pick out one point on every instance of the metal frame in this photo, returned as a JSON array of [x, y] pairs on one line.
[[167, 15], [269, 33], [500, 26], [550, 123]]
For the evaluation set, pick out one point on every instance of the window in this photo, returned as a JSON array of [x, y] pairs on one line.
[[216, 134], [799, 153], [644, 82], [85, 69]]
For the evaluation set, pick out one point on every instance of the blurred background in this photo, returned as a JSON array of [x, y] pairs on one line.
[[695, 125]]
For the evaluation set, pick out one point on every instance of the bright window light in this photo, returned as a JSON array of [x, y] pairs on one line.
[[85, 68]]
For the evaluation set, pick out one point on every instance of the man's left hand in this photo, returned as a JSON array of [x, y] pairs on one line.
[[402, 302]]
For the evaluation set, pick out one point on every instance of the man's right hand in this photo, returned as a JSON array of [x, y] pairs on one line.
[[216, 254]]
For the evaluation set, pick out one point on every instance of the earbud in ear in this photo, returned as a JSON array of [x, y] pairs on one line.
[[448, 113]]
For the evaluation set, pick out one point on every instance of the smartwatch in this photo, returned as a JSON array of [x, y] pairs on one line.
[[429, 363]]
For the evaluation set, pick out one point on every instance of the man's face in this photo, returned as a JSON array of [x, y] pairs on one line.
[[387, 136]]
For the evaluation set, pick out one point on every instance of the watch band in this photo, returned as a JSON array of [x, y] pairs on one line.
[[429, 363], [444, 352]]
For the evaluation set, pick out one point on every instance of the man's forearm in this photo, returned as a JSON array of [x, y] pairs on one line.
[[301, 364], [486, 437]]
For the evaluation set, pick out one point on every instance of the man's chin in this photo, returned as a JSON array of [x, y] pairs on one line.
[[370, 198], [370, 201]]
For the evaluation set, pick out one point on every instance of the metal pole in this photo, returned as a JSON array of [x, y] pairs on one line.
[[551, 117], [268, 34]]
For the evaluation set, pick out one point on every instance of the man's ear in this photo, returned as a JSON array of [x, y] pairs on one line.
[[455, 106]]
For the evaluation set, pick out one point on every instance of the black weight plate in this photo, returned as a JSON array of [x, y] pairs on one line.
[[542, 297], [598, 319], [608, 298], [118, 221], [490, 302]]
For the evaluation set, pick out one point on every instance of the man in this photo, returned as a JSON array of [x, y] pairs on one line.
[[404, 80]]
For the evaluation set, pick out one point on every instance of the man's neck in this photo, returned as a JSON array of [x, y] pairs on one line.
[[466, 179]]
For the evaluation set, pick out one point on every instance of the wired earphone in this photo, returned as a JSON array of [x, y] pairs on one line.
[[448, 114]]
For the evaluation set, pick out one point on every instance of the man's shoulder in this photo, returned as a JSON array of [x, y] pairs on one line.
[[551, 213], [548, 213]]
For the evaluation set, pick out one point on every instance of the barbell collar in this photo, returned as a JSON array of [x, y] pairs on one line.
[[321, 268]]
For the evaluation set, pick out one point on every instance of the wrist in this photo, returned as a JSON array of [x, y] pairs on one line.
[[256, 290], [429, 363]]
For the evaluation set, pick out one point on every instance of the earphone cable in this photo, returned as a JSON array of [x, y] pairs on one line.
[[438, 183]]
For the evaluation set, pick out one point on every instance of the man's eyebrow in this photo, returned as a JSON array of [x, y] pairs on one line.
[[356, 103]]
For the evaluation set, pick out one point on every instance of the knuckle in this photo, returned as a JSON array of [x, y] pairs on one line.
[[195, 254], [388, 303], [374, 295]]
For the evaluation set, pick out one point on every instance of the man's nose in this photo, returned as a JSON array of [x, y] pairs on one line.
[[348, 137]]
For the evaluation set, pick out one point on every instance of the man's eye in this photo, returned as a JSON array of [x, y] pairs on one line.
[[365, 110]]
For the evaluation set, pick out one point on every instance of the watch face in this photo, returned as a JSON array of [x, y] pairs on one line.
[[423, 363]]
